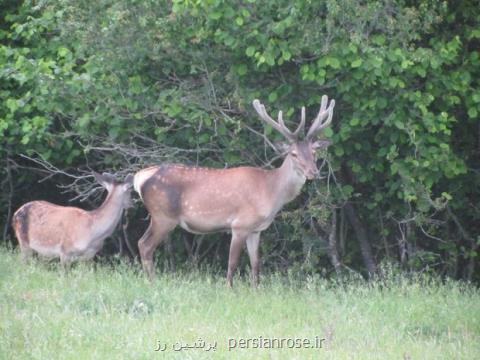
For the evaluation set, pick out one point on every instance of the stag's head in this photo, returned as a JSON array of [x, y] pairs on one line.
[[302, 152], [123, 189]]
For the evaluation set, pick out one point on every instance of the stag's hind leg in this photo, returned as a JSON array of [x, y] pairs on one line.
[[155, 235]]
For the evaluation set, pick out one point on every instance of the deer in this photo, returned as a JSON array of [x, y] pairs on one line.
[[241, 200], [68, 232]]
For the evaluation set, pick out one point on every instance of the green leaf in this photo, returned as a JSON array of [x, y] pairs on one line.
[[347, 190], [12, 105], [405, 64], [245, 13], [334, 62], [250, 51], [379, 39], [286, 55], [447, 196], [63, 52], [357, 63], [215, 15], [328, 132], [204, 138], [84, 120], [273, 96], [472, 112], [421, 71], [229, 12], [242, 69], [338, 150]]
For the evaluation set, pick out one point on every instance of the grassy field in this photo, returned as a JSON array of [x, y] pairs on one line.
[[112, 312]]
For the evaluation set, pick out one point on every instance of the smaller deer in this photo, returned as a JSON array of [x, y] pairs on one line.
[[69, 232]]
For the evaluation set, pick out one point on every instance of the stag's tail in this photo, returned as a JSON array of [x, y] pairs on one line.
[[141, 177]]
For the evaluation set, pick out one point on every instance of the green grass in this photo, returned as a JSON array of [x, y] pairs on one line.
[[112, 312]]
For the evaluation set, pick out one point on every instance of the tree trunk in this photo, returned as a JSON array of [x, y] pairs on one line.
[[362, 238], [9, 182], [332, 249], [467, 236], [342, 232], [332, 243]]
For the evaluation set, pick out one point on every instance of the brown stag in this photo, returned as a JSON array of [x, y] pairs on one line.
[[243, 200], [69, 232]]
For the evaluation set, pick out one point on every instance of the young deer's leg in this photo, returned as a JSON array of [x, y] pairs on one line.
[[156, 234], [253, 242], [236, 246], [25, 249], [26, 253]]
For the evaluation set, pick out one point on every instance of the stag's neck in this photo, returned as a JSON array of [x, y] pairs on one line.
[[288, 182], [107, 216]]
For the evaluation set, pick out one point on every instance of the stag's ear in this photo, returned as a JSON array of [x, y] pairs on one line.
[[128, 180], [321, 144], [281, 147]]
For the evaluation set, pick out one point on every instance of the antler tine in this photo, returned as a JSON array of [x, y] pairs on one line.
[[301, 126], [320, 123], [279, 126]]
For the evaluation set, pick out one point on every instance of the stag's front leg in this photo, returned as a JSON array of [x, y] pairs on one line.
[[238, 242], [253, 242], [65, 261]]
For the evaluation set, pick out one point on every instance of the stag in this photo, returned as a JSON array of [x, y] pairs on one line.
[[71, 233], [242, 200]]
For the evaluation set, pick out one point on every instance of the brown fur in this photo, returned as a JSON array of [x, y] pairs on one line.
[[69, 232], [243, 200]]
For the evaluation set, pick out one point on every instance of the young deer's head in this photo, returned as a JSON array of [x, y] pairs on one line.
[[109, 182], [302, 152]]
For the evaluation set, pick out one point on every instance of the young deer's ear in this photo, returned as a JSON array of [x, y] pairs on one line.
[[321, 144], [98, 177], [110, 178], [104, 179]]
